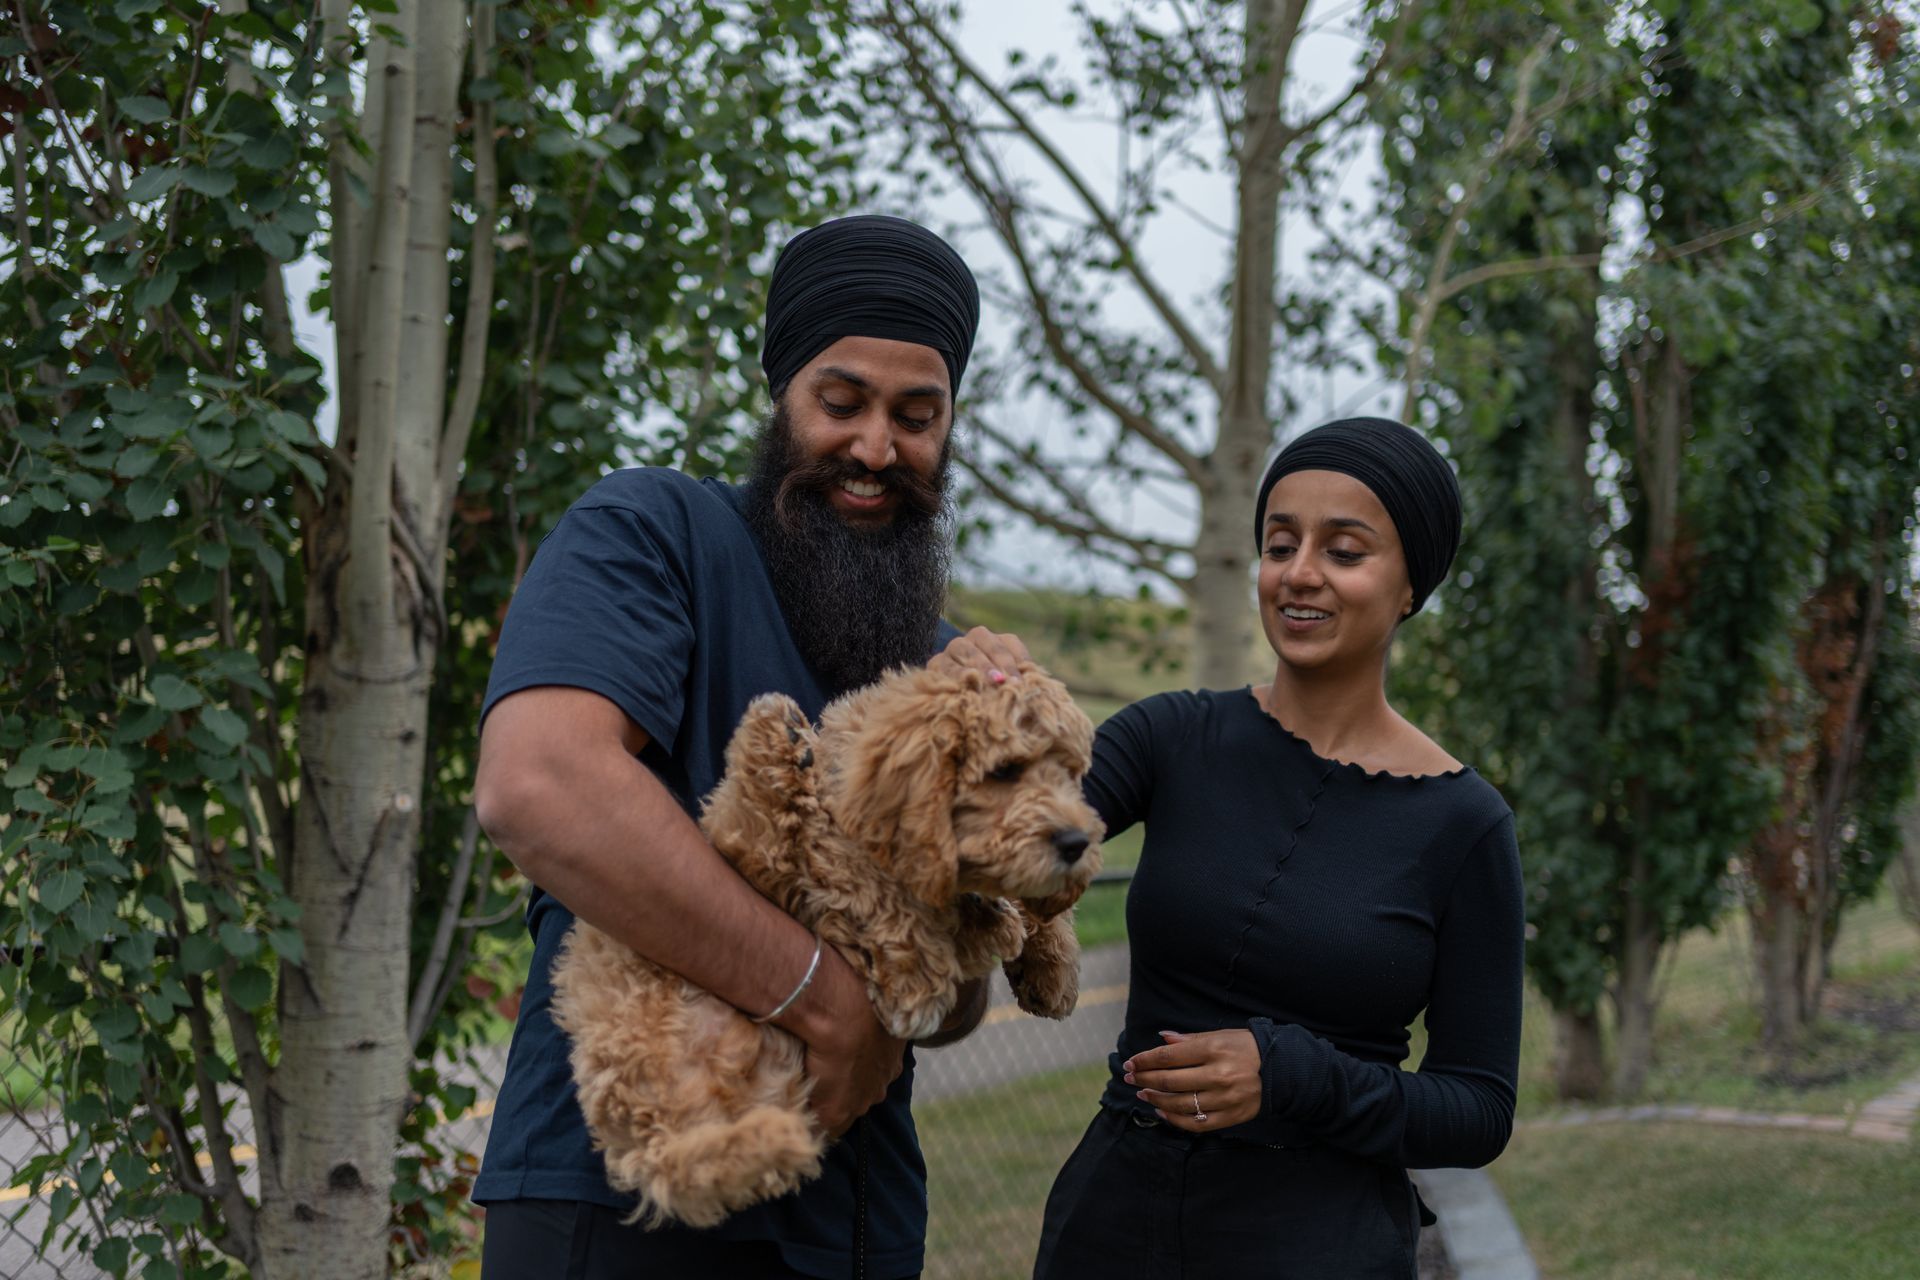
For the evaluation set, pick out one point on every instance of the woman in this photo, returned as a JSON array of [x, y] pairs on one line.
[[1316, 872]]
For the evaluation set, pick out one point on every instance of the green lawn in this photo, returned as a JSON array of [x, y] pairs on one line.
[[1706, 1036], [1674, 1202], [990, 1159]]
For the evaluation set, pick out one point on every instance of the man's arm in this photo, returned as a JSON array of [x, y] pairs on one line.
[[561, 792]]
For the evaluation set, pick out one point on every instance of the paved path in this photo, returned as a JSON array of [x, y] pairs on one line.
[[1888, 1118]]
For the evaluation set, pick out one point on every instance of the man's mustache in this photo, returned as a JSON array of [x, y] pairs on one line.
[[918, 496]]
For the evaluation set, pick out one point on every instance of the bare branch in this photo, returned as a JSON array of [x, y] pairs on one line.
[[1075, 516], [1520, 126], [480, 271], [996, 197], [1183, 332], [1363, 89], [420, 1010], [1575, 261]]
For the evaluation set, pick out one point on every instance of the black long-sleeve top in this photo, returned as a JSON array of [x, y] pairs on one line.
[[1323, 907]]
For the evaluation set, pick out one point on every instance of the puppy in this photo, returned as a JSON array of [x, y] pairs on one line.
[[931, 826]]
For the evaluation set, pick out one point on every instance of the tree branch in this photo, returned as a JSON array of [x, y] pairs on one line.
[[1520, 126], [1089, 529], [480, 272], [1364, 87], [420, 1009], [1003, 210], [1184, 333]]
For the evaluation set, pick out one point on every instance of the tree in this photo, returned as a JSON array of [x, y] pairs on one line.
[[1649, 454], [242, 662], [1170, 405]]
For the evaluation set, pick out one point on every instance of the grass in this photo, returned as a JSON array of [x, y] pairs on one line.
[[1706, 1035], [991, 1159], [1671, 1202]]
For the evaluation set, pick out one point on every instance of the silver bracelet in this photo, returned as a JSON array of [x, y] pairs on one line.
[[805, 979]]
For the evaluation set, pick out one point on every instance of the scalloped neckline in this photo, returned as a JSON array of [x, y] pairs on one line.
[[1349, 766]]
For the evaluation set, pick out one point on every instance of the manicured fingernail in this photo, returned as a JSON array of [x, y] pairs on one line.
[[1128, 1077], [1127, 1066], [1140, 1094], [997, 676]]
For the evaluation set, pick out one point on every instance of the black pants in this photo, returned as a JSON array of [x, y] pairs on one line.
[[574, 1240], [1148, 1201]]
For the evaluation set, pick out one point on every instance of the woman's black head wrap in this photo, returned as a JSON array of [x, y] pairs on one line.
[[1408, 475], [869, 276]]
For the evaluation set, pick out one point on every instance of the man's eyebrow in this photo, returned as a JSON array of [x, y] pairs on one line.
[[1333, 522], [834, 372]]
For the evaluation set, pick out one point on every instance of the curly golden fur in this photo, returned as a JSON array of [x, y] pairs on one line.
[[925, 831]]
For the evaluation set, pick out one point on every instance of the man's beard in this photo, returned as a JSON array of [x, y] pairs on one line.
[[858, 600]]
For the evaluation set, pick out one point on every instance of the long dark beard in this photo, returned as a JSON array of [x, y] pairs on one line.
[[858, 600]]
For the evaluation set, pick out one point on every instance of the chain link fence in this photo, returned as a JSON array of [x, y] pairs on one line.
[[998, 1115]]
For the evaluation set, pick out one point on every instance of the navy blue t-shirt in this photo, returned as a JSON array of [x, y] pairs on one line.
[[652, 592]]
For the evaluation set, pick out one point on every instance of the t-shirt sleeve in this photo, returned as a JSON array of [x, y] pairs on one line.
[[605, 607], [1119, 785], [1456, 1111]]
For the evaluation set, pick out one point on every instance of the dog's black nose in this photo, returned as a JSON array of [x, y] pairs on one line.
[[1071, 842]]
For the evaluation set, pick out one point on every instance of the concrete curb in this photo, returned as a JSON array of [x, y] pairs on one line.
[[1480, 1234]]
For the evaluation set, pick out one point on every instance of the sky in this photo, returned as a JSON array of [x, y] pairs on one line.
[[1188, 247]]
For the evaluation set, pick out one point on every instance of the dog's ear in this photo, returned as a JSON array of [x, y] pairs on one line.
[[898, 774]]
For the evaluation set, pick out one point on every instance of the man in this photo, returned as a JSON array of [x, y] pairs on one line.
[[654, 612]]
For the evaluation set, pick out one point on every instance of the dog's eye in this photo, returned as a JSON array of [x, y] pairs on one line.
[[1008, 772]]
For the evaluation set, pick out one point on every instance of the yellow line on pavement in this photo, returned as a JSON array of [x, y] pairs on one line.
[[1088, 999]]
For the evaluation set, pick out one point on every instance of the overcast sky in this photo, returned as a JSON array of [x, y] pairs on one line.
[[1188, 249]]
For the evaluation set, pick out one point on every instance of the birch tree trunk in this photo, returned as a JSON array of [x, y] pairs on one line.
[[1223, 626], [374, 627]]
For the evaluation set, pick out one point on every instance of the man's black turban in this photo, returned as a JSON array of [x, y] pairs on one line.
[[1408, 475], [868, 276]]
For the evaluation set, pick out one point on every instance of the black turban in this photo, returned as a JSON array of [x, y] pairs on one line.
[[868, 276], [1408, 475]]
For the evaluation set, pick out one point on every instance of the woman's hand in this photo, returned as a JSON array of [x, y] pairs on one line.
[[1215, 1074], [997, 654]]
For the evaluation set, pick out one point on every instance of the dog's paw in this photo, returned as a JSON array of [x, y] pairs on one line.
[[774, 737]]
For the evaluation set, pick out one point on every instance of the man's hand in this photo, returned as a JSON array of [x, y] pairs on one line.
[[1215, 1074], [850, 1057], [997, 654]]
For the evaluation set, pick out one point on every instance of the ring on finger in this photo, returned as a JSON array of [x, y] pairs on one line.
[[1198, 1114]]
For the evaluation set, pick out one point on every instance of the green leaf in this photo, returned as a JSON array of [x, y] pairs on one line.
[[199, 952], [153, 183], [252, 987], [173, 693], [61, 889], [145, 108], [289, 944], [180, 1209], [156, 291], [211, 440], [275, 242], [290, 427], [209, 182], [21, 573], [238, 941], [223, 724], [271, 153], [111, 1255], [148, 496]]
